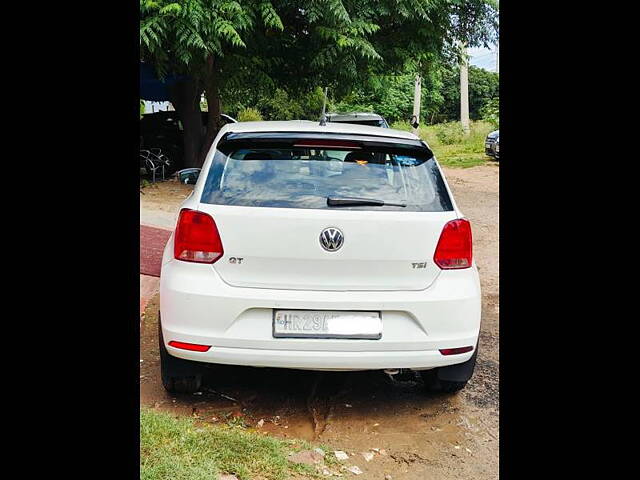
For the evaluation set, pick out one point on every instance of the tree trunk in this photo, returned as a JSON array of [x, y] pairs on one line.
[[186, 101], [212, 92]]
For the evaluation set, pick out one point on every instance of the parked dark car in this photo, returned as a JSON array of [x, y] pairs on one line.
[[492, 144], [372, 119]]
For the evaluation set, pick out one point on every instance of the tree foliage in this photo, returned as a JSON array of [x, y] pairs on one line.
[[392, 95], [490, 112], [180, 36], [483, 87], [249, 115], [272, 51]]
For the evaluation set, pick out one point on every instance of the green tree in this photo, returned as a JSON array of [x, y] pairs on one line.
[[392, 95], [280, 106], [490, 112], [193, 38], [484, 86], [226, 48]]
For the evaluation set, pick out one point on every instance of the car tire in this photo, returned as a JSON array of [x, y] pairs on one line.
[[449, 379], [434, 385], [178, 375]]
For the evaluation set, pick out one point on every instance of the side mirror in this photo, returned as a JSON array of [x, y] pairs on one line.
[[188, 175], [414, 121]]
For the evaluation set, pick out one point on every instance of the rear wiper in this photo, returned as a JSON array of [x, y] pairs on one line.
[[349, 201]]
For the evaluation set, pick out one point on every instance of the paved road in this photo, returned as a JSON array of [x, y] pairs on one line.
[[158, 218], [152, 243]]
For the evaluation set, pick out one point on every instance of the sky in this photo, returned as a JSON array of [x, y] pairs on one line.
[[483, 58]]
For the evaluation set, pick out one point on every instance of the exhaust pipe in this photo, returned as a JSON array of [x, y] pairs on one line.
[[392, 371], [398, 375]]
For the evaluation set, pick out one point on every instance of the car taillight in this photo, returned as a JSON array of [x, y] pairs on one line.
[[197, 238], [454, 249]]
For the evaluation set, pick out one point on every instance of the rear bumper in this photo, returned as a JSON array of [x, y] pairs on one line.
[[198, 307], [321, 360]]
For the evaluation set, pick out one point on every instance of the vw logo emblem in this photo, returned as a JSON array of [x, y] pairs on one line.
[[331, 239]]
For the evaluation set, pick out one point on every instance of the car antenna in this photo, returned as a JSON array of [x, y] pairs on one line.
[[323, 116]]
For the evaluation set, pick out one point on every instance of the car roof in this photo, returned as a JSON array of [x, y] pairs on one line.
[[307, 126]]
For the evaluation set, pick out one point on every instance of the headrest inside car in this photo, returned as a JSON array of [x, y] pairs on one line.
[[353, 157]]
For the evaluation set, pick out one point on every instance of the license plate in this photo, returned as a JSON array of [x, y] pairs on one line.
[[487, 145], [326, 324]]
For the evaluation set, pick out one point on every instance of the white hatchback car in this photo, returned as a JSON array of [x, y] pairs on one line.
[[335, 247]]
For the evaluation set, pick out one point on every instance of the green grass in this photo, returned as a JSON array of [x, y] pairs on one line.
[[180, 449], [450, 146]]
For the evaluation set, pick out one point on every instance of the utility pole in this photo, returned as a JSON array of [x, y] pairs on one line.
[[417, 93], [323, 116], [497, 57], [464, 89]]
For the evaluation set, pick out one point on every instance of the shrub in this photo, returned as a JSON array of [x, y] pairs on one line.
[[401, 125], [490, 112], [449, 133], [280, 106], [311, 104], [479, 131], [428, 134], [249, 115]]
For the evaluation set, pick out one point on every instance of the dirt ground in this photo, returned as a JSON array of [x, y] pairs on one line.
[[422, 436], [164, 196], [159, 203]]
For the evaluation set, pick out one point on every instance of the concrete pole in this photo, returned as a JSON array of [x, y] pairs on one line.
[[464, 90], [417, 93], [497, 57], [323, 115]]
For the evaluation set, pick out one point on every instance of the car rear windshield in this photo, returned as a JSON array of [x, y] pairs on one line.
[[305, 173]]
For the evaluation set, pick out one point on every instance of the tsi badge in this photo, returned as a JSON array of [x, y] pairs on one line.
[[419, 265], [331, 239]]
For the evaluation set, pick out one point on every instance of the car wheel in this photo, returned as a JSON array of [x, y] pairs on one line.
[[433, 384], [178, 375], [449, 379]]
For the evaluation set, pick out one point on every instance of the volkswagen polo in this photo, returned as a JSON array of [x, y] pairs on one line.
[[321, 247]]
